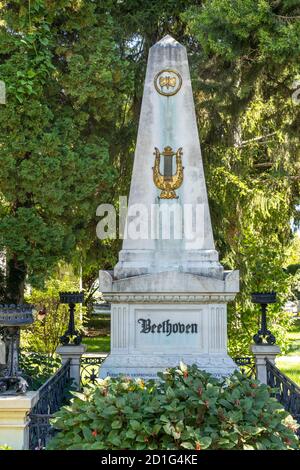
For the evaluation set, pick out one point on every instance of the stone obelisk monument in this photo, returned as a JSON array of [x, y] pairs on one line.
[[168, 292]]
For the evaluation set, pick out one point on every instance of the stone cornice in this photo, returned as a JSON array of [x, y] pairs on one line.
[[136, 297]]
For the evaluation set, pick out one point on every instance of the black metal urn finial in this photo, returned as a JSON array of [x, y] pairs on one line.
[[12, 318], [71, 336], [264, 336]]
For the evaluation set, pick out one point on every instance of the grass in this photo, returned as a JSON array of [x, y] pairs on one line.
[[292, 370], [294, 337], [290, 363], [97, 344], [98, 334]]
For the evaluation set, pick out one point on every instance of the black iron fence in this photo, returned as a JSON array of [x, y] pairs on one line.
[[91, 364], [52, 395], [286, 391], [90, 367], [246, 365]]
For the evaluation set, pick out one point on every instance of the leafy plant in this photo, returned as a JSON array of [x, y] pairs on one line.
[[38, 368], [51, 321], [186, 409]]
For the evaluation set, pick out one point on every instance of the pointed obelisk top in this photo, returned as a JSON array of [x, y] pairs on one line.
[[168, 153], [167, 41]]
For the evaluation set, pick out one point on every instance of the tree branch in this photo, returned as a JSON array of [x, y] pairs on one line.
[[257, 139]]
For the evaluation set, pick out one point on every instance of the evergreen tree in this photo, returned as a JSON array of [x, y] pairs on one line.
[[65, 82]]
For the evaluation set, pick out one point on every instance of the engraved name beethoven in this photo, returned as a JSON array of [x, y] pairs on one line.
[[166, 327]]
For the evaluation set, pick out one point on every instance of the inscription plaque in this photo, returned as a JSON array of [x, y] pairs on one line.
[[166, 327]]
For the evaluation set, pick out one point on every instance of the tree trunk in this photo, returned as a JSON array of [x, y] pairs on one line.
[[15, 281]]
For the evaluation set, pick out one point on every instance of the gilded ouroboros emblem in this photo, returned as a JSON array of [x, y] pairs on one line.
[[167, 82]]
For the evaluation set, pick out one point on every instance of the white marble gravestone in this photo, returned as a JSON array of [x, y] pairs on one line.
[[168, 294]]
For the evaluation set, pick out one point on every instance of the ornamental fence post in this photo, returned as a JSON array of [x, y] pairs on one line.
[[262, 352], [74, 353]]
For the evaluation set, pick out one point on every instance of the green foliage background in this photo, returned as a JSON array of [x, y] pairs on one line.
[[74, 72], [43, 336]]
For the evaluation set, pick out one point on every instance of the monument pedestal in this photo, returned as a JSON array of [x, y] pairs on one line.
[[161, 325]]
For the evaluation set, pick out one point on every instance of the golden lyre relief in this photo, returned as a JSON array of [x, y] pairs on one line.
[[167, 82], [168, 182]]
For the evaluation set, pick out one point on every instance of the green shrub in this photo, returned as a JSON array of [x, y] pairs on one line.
[[187, 409], [43, 336], [98, 322], [38, 368]]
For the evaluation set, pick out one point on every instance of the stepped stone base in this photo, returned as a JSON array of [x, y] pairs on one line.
[[147, 366]]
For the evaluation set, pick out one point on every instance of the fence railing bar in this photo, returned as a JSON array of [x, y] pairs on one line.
[[287, 392], [51, 397]]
